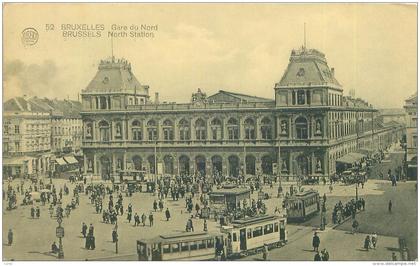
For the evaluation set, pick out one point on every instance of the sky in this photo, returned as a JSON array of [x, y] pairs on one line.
[[242, 48]]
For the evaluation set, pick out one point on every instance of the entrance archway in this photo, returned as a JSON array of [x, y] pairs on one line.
[[250, 165], [105, 167], [217, 164], [267, 165], [169, 164], [200, 163], [137, 161], [233, 165], [184, 165]]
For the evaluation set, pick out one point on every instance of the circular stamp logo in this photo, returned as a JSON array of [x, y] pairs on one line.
[[29, 36]]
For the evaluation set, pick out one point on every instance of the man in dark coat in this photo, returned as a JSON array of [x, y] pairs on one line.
[[317, 257], [390, 206], [10, 237], [84, 229], [114, 235], [151, 219], [168, 214], [315, 242], [91, 230]]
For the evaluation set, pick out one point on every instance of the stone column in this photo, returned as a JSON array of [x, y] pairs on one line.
[[208, 128], [208, 167], [291, 168], [124, 166], [95, 164], [192, 165], [291, 135], [313, 163], [241, 128], [114, 164], [225, 164], [258, 128]]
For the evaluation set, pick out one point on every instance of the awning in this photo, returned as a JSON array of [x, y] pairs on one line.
[[60, 161], [13, 161], [350, 158], [71, 160]]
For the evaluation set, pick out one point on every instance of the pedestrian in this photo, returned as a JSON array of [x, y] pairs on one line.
[[151, 219], [205, 225], [315, 242], [91, 229], [38, 212], [114, 235], [390, 206], [10, 237], [32, 212], [136, 219], [143, 219], [84, 229], [325, 256], [354, 226], [374, 240], [129, 217], [317, 257], [367, 243], [155, 205], [394, 256], [265, 252], [167, 214]]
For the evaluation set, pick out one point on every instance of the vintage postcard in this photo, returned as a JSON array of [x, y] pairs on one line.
[[209, 131]]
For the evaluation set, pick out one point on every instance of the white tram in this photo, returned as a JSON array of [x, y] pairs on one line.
[[248, 236], [181, 246]]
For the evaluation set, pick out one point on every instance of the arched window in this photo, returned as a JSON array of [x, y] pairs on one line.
[[104, 131], [200, 129], [103, 102], [233, 129], [266, 129], [301, 97], [136, 130], [216, 129], [301, 128], [249, 127], [184, 130], [168, 130], [152, 130]]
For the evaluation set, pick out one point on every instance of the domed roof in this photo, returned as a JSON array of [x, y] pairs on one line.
[[307, 67], [115, 76]]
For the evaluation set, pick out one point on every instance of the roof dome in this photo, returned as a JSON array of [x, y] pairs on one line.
[[116, 76]]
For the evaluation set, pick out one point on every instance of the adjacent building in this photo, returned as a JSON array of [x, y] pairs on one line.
[[411, 136], [36, 132], [301, 132]]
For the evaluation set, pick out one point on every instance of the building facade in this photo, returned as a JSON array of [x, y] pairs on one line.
[[36, 131], [301, 132], [411, 136]]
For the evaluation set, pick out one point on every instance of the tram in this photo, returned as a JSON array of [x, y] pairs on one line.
[[181, 246], [248, 236], [302, 205]]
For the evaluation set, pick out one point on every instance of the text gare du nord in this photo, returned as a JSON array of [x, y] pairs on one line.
[[141, 31]]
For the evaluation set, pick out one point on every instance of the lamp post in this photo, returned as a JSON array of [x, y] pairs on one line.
[[60, 234]]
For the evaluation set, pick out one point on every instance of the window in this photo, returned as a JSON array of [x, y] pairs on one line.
[[293, 97], [200, 129], [266, 129], [249, 129], [136, 130], [249, 233], [175, 247], [6, 129], [258, 231], [268, 229], [17, 129], [202, 244], [301, 128], [17, 146], [276, 227], [234, 237], [104, 131], [166, 248], [301, 97], [184, 246], [184, 130], [168, 132], [152, 130], [415, 141], [210, 243], [216, 129], [193, 246], [233, 129]]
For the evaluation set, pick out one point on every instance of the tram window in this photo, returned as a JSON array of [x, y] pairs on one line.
[[234, 237], [276, 227], [202, 244], [258, 231], [193, 246], [175, 247], [184, 246], [166, 248], [210, 243], [249, 233], [268, 229]]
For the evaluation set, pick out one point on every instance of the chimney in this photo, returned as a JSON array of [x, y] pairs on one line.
[[156, 97], [332, 72]]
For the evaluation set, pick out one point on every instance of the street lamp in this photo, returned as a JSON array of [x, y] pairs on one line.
[[60, 234]]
